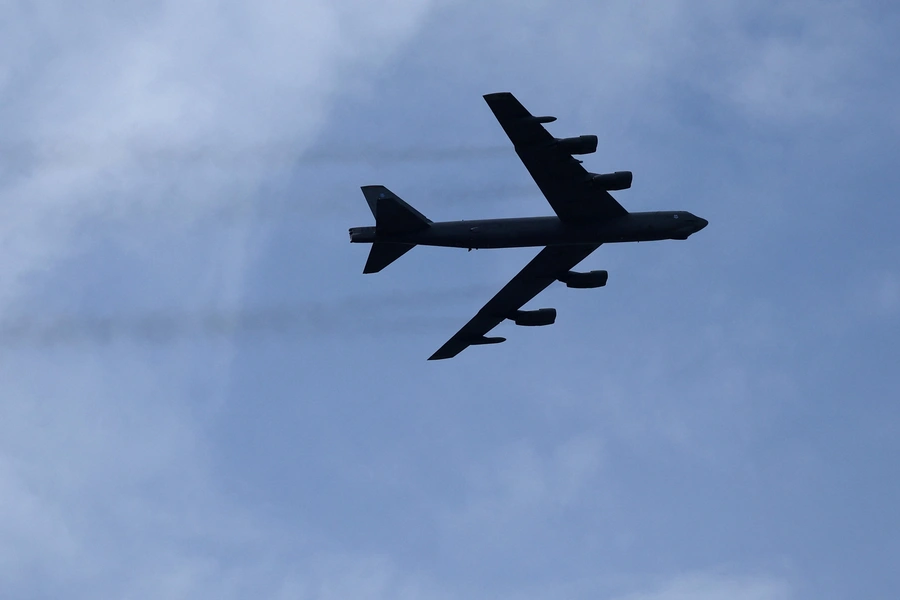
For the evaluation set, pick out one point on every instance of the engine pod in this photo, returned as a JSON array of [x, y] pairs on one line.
[[583, 144], [620, 180], [589, 280], [534, 318]]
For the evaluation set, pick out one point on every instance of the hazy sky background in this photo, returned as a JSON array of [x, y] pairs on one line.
[[201, 396]]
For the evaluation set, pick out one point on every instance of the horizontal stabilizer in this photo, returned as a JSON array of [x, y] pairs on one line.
[[392, 215], [384, 253]]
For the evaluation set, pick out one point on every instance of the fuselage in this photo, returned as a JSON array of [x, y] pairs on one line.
[[543, 231]]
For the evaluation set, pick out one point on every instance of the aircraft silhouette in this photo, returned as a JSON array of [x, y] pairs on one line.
[[586, 217]]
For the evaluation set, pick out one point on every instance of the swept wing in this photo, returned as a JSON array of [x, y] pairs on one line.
[[565, 183], [574, 197], [550, 264]]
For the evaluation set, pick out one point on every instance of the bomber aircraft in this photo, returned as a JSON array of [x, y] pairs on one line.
[[586, 217]]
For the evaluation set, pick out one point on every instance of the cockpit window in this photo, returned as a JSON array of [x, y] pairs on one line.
[[674, 216]]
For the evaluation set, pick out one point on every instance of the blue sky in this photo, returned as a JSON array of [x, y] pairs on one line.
[[201, 396]]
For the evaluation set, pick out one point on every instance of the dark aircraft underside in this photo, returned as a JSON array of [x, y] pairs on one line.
[[586, 217]]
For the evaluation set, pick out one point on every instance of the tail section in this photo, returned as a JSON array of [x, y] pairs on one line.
[[384, 253], [393, 216]]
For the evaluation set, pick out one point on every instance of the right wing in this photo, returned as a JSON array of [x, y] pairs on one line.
[[549, 265], [564, 182]]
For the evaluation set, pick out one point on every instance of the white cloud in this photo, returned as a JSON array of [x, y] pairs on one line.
[[793, 61], [777, 63], [93, 92], [105, 485], [874, 294], [512, 493], [705, 586], [103, 465], [887, 294]]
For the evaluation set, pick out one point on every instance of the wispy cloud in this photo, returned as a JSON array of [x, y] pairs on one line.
[[714, 586], [106, 487], [164, 80], [603, 457]]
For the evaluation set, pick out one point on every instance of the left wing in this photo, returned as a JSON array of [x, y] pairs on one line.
[[565, 183], [549, 265]]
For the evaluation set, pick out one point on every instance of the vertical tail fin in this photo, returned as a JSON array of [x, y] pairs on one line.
[[393, 216]]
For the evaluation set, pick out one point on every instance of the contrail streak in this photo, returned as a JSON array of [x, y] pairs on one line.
[[27, 155], [283, 203], [412, 154], [376, 315]]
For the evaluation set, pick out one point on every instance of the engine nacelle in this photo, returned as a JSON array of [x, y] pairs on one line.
[[534, 318], [583, 144], [620, 180], [592, 279]]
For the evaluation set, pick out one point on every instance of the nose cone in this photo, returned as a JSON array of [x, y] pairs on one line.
[[701, 223]]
